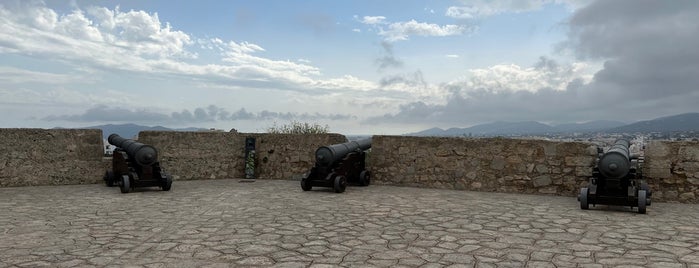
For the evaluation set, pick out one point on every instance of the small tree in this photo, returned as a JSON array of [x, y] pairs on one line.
[[295, 127]]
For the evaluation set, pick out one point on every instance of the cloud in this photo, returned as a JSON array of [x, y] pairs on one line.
[[212, 113], [545, 74], [648, 47], [388, 60], [453, 56], [547, 91], [651, 68], [139, 43], [476, 9], [18, 76], [373, 19], [401, 31]]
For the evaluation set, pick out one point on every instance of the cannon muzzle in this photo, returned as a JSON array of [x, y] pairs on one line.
[[144, 155], [326, 155], [616, 162]]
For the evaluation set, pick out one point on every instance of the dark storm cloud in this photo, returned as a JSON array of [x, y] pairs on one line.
[[388, 59], [650, 47], [209, 114], [651, 69]]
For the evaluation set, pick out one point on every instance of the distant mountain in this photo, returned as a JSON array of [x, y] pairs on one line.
[[435, 131], [591, 126], [680, 122], [504, 128], [489, 129], [130, 131]]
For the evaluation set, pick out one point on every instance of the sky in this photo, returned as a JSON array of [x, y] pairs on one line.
[[359, 67]]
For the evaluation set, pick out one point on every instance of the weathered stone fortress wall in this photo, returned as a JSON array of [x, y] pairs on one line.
[[673, 170], [221, 155], [74, 156], [490, 164], [523, 166], [50, 157]]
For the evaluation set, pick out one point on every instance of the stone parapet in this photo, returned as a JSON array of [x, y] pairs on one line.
[[524, 166], [51, 156], [484, 164], [221, 155], [672, 168]]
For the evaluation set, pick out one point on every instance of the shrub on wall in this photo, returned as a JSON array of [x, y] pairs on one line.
[[295, 127]]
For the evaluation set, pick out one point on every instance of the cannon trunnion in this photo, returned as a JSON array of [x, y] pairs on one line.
[[135, 164], [616, 180], [338, 165]]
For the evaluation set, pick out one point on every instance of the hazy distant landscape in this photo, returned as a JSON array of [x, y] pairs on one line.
[[675, 123], [667, 124]]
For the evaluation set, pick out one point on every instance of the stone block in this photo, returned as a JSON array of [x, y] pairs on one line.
[[578, 161], [689, 153], [543, 180], [687, 196], [686, 167], [543, 169], [549, 149], [583, 171], [660, 173], [498, 163], [656, 149]]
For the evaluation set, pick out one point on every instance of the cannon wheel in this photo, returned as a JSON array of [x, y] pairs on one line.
[[306, 185], [125, 184], [583, 199], [109, 178], [649, 194], [642, 201], [167, 184], [340, 184], [364, 178]]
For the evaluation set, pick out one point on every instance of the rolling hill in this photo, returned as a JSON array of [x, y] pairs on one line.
[[680, 122]]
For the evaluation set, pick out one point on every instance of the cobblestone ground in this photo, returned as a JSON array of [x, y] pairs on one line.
[[224, 223]]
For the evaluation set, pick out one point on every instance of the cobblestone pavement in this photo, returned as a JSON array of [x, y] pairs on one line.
[[224, 223]]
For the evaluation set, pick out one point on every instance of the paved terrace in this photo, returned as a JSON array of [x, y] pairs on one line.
[[224, 223]]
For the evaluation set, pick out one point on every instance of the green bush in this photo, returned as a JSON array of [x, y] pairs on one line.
[[295, 127]]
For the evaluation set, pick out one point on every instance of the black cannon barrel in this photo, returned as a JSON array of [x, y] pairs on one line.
[[616, 162], [143, 154], [326, 155]]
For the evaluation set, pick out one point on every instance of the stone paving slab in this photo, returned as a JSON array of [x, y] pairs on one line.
[[224, 223]]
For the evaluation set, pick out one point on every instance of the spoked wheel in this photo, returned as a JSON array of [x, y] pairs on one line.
[[364, 178], [109, 179], [125, 184], [167, 184], [340, 184], [583, 199], [306, 185], [642, 201]]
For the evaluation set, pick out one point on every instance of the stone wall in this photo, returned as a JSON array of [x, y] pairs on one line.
[[524, 166], [673, 170], [51, 156], [489, 164], [220, 155], [74, 156]]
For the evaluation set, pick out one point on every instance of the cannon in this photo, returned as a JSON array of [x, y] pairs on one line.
[[338, 165], [617, 180], [135, 164]]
